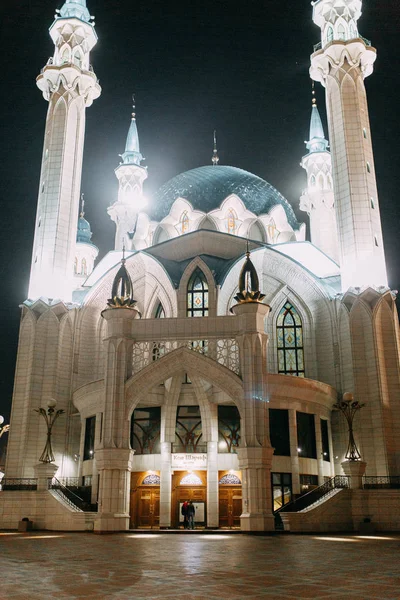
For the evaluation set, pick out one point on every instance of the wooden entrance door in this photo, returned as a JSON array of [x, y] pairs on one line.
[[196, 493], [148, 507], [230, 506]]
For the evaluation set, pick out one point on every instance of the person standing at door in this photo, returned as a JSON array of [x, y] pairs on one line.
[[191, 511], [184, 511]]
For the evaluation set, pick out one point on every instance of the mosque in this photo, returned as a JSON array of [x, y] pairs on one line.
[[200, 359]]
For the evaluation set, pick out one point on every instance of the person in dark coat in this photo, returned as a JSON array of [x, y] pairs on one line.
[[191, 511], [184, 511]]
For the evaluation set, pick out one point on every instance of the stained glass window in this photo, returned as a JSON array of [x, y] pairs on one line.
[[289, 331], [191, 479], [188, 430], [228, 429], [151, 479], [145, 430], [231, 221], [230, 479], [184, 222], [197, 295]]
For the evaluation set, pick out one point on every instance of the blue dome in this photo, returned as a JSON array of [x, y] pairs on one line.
[[207, 187], [84, 233]]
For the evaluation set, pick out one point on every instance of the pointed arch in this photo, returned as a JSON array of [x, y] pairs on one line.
[[257, 231], [231, 221], [208, 223], [184, 223], [178, 361], [182, 292]]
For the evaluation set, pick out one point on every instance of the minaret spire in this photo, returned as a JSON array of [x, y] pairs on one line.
[[69, 85], [317, 200], [82, 205], [215, 157], [341, 63], [131, 175]]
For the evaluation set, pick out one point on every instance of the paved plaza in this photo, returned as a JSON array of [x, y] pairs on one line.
[[44, 565]]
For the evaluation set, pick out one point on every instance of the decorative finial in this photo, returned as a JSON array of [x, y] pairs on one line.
[[123, 251], [133, 108], [215, 157], [314, 101], [82, 205], [122, 289], [249, 286]]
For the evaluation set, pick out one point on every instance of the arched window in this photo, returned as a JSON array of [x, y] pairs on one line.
[[321, 182], [191, 479], [353, 31], [197, 295], [289, 332], [341, 32], [329, 34], [65, 57], [184, 222], [151, 479], [368, 167], [312, 181], [160, 312], [84, 267], [78, 60], [231, 221], [76, 265], [329, 180]]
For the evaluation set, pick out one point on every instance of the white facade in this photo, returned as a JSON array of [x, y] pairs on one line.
[[145, 386]]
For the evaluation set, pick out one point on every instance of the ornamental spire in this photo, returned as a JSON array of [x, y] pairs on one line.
[[82, 205], [249, 285], [215, 157], [132, 155], [74, 8], [317, 141]]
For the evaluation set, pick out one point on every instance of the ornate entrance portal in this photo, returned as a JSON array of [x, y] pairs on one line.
[[230, 501], [189, 486], [145, 501]]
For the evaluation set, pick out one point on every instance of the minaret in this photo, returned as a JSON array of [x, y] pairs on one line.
[[341, 62], [85, 251], [318, 199], [130, 175], [70, 85]]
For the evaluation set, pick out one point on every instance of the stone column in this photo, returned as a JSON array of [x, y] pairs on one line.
[[114, 457], [44, 472], [320, 454], [294, 455], [165, 486], [212, 486], [355, 469], [115, 466], [255, 453]]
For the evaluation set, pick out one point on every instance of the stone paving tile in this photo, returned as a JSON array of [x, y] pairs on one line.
[[45, 566]]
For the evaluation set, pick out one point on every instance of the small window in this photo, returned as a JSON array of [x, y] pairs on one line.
[[289, 333], [46, 154], [40, 221], [325, 440], [306, 440], [341, 32], [279, 431], [368, 167], [231, 222], [312, 181], [376, 241], [160, 312], [329, 180], [84, 267], [184, 222], [88, 450], [329, 35], [372, 203], [76, 265], [42, 187], [308, 483], [365, 133], [321, 182]]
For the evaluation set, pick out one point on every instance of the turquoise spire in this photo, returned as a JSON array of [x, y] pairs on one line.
[[317, 142], [84, 233], [132, 155], [74, 8]]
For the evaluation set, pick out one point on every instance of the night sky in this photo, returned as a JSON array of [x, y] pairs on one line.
[[193, 66]]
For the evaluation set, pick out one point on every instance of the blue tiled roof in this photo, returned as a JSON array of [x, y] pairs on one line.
[[207, 187], [84, 232]]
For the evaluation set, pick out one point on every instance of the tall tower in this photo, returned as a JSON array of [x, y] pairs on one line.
[[341, 62], [131, 175], [85, 251], [70, 85], [318, 199]]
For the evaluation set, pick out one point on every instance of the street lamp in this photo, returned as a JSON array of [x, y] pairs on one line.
[[5, 428], [349, 407], [50, 416]]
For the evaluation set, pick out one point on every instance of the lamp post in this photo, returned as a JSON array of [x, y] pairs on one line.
[[50, 416], [5, 428], [349, 407]]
